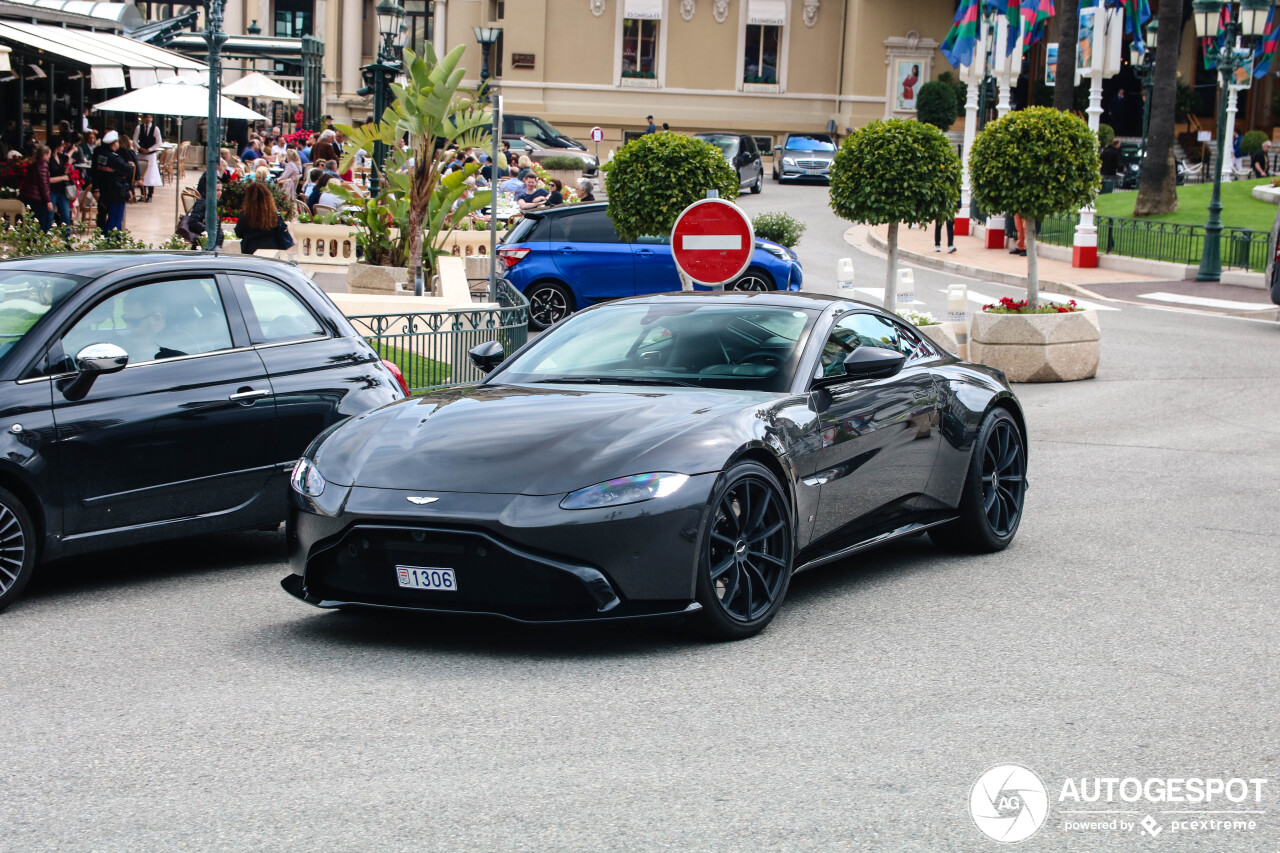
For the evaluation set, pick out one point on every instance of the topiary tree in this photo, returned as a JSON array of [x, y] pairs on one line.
[[1106, 133], [782, 228], [891, 172], [1251, 142], [1036, 162], [936, 104], [656, 176]]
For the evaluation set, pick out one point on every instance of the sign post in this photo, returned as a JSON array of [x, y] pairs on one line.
[[596, 135], [712, 242]]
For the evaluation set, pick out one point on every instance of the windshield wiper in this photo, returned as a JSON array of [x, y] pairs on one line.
[[598, 380], [566, 380]]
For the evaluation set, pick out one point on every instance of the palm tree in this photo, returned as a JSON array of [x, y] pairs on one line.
[[1064, 91], [1157, 187]]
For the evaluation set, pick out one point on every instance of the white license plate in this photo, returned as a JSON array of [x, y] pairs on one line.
[[417, 577]]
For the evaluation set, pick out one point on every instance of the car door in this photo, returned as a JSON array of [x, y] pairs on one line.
[[591, 257], [878, 438], [187, 429], [317, 377], [655, 267], [751, 165]]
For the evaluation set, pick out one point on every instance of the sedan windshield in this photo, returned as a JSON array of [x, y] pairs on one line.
[[25, 297], [670, 343], [810, 143]]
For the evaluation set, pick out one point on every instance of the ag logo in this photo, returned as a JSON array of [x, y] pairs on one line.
[[1009, 803]]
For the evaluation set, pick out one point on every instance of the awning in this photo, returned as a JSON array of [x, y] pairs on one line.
[[769, 12], [106, 55], [648, 10]]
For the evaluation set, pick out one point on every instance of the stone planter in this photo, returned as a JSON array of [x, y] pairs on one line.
[[568, 177], [323, 244], [1038, 347], [11, 210], [366, 278], [465, 244], [940, 334]]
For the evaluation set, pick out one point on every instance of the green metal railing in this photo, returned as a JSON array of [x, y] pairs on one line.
[[1163, 241], [430, 347]]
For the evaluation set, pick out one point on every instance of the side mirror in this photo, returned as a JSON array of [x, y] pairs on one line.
[[777, 148], [487, 356], [92, 361], [867, 363]]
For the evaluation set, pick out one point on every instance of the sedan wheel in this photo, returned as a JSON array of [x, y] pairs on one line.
[[17, 548], [759, 184], [994, 491], [549, 303], [746, 562], [752, 280]]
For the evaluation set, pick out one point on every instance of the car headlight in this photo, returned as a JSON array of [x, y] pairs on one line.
[[624, 490], [788, 161], [776, 251], [306, 478]]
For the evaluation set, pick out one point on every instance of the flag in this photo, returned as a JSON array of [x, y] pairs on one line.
[[1267, 47], [1136, 15], [958, 46], [1224, 18], [1035, 17]]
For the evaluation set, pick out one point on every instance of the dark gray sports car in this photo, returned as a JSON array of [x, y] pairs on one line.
[[681, 453]]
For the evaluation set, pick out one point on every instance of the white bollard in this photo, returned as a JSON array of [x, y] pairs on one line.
[[906, 294], [844, 274], [958, 316]]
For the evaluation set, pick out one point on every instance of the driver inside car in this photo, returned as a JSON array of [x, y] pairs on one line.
[[148, 335]]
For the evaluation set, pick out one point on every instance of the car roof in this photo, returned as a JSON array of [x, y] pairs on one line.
[[94, 264], [775, 298], [567, 209]]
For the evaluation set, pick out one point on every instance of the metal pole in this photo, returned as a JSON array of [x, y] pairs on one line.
[[1148, 80], [214, 37], [48, 119], [379, 107], [496, 106], [1211, 258]]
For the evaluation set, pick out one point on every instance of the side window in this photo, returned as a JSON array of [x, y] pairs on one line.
[[594, 227], [153, 322], [274, 313], [863, 330]]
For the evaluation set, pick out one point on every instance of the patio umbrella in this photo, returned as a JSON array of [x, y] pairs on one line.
[[176, 97], [259, 85]]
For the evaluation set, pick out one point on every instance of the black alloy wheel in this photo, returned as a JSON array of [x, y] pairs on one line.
[[747, 552], [753, 280], [549, 303], [994, 491], [17, 548]]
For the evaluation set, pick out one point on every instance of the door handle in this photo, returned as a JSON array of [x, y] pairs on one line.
[[567, 250], [248, 395], [645, 252]]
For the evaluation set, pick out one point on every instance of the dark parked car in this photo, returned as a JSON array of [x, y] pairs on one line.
[[540, 140], [150, 395], [740, 151], [804, 155], [569, 257], [675, 454]]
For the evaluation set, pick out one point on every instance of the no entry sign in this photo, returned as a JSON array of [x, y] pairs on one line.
[[712, 241], [597, 134]]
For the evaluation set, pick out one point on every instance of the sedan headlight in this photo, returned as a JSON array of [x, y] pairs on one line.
[[306, 478], [788, 161], [624, 490]]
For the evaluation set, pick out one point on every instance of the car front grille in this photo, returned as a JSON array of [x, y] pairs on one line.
[[813, 164]]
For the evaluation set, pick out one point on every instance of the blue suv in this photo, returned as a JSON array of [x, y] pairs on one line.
[[569, 257]]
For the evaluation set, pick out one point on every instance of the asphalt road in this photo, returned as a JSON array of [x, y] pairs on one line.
[[174, 698]]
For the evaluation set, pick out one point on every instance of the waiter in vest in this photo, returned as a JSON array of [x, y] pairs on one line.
[[146, 139]]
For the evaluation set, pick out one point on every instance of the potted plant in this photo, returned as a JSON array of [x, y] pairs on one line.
[[1038, 162], [933, 329], [565, 167], [891, 172]]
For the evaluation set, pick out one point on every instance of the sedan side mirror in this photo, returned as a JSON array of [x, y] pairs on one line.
[[93, 361], [487, 356]]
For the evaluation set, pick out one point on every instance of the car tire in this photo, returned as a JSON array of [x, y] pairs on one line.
[[549, 303], [994, 490], [753, 280], [759, 184], [17, 548], [745, 554], [776, 176]]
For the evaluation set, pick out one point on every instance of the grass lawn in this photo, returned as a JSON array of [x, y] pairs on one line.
[[1239, 209], [419, 371]]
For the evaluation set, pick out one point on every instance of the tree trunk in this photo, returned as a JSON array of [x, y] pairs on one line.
[[1033, 268], [1157, 187], [1064, 89], [415, 241], [891, 278]]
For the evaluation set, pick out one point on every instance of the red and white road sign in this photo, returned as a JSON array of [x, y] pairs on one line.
[[597, 134], [712, 241]]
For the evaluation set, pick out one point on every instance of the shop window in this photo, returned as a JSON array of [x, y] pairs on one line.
[[760, 62], [640, 48]]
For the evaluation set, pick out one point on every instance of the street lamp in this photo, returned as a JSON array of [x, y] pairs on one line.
[[1144, 68], [379, 75], [487, 36], [1247, 24], [214, 37], [985, 85]]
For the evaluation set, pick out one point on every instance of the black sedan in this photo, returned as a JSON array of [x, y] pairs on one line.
[[147, 395], [681, 453]]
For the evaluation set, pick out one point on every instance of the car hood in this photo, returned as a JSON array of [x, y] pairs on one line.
[[537, 440]]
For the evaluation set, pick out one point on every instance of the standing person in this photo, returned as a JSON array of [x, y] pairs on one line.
[[951, 234], [1021, 225], [60, 182], [35, 192], [113, 178], [1110, 159], [146, 138], [260, 225], [130, 156], [652, 128], [297, 119], [1260, 163], [84, 151]]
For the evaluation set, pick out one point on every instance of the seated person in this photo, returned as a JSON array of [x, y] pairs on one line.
[[532, 195]]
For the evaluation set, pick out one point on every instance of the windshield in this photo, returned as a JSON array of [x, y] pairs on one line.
[[669, 343], [818, 142], [25, 297], [728, 145], [549, 135]]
